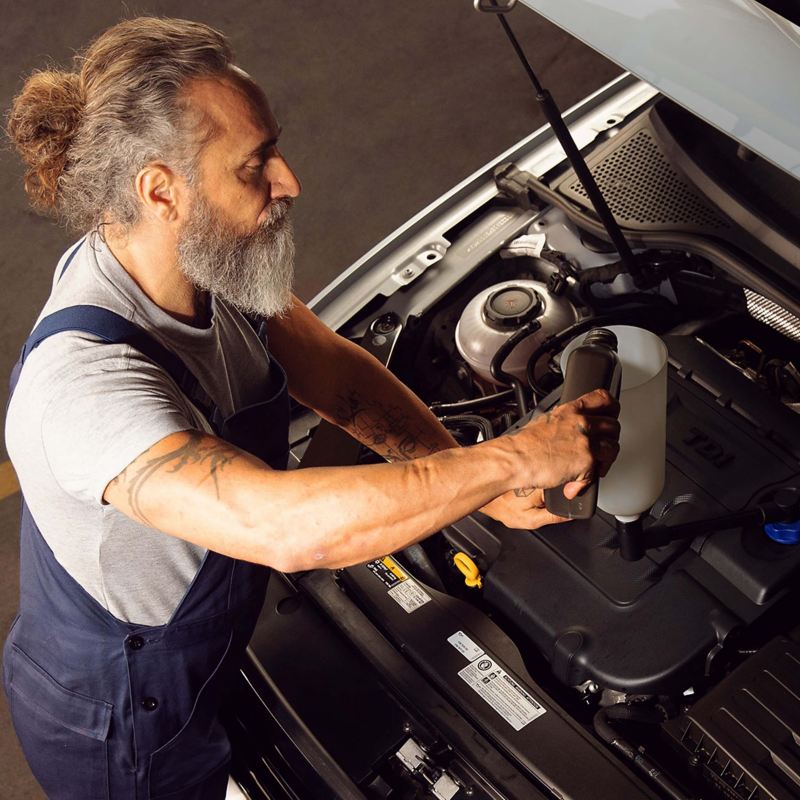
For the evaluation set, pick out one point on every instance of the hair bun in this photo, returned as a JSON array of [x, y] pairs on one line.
[[42, 124]]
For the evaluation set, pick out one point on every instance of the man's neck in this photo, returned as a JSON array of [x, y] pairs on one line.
[[152, 262]]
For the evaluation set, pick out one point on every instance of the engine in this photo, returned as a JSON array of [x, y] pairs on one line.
[[690, 654], [649, 626], [657, 634]]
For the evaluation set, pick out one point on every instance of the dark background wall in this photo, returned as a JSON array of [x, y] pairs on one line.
[[385, 105]]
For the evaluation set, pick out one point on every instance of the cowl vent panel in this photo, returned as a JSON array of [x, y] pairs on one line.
[[643, 190]]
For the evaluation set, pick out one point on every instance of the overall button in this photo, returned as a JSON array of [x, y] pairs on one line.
[[135, 642], [149, 704]]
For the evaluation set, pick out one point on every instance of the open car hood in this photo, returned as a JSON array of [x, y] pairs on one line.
[[734, 63]]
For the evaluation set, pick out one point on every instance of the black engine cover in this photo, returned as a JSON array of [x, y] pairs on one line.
[[647, 626]]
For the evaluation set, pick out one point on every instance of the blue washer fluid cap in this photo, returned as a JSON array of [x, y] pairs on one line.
[[783, 532]]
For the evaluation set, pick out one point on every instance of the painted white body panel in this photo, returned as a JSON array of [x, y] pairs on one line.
[[734, 63]]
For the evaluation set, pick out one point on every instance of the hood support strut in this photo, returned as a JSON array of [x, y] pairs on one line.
[[574, 156]]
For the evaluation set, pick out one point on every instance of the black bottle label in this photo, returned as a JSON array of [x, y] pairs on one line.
[[592, 365]]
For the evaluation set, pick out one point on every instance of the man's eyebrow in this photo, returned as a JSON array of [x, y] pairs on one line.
[[262, 147]]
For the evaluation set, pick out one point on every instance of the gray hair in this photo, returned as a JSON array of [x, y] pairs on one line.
[[85, 135]]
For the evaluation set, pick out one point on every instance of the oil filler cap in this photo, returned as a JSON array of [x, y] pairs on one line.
[[783, 532], [510, 306]]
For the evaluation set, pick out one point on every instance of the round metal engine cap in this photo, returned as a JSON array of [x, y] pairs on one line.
[[511, 306]]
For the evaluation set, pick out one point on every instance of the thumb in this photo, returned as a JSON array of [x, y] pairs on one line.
[[597, 401], [574, 488]]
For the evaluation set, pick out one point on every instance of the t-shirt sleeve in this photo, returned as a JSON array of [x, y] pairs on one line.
[[114, 406]]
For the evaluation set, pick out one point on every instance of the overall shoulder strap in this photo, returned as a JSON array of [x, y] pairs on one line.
[[70, 257], [112, 328]]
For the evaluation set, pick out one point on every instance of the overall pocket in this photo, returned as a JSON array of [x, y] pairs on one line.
[[63, 734], [193, 763], [6, 655]]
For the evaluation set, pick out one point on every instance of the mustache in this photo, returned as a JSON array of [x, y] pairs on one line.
[[278, 211]]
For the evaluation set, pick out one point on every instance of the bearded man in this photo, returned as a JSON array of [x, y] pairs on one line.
[[149, 416]]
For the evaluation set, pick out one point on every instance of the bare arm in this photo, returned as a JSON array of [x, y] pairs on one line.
[[202, 489], [349, 387]]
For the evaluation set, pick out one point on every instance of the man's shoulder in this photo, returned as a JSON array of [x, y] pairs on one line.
[[80, 278], [68, 354]]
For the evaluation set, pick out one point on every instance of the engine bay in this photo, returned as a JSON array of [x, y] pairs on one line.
[[638, 653]]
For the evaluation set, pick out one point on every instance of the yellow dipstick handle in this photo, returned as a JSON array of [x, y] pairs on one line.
[[469, 569]]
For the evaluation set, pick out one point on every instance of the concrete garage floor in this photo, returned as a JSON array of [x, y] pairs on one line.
[[385, 106]]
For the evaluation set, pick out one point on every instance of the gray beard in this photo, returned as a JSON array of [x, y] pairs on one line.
[[253, 271]]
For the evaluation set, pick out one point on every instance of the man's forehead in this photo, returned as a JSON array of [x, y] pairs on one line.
[[238, 109]]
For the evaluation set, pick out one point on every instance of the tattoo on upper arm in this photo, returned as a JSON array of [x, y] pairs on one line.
[[216, 454], [385, 429]]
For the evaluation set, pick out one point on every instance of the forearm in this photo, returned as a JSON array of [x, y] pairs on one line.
[[202, 489], [350, 515], [380, 411], [205, 490], [349, 387]]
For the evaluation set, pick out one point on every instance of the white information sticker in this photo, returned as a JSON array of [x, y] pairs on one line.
[[409, 595], [445, 788], [465, 645], [510, 700]]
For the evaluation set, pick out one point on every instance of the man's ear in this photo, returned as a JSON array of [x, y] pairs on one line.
[[162, 192]]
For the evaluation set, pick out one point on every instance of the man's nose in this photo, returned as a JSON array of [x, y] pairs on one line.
[[282, 180]]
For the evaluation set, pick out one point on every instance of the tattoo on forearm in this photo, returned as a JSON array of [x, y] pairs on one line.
[[216, 454], [384, 429], [526, 491]]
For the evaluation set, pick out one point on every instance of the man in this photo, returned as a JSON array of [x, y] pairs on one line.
[[148, 423]]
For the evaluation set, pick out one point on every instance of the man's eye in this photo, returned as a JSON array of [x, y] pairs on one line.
[[255, 167]]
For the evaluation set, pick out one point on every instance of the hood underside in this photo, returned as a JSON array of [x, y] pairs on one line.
[[733, 63]]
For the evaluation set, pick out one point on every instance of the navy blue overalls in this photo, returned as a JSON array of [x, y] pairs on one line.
[[109, 710]]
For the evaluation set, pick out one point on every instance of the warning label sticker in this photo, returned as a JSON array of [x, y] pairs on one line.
[[465, 645], [387, 570], [409, 595], [510, 700], [404, 590]]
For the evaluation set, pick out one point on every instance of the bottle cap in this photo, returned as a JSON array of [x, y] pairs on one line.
[[783, 532], [601, 336]]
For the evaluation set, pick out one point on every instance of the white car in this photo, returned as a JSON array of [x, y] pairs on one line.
[[497, 663]]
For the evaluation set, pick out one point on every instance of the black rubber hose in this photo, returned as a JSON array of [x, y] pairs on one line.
[[496, 367], [473, 404], [554, 342], [621, 711], [736, 264], [481, 423], [635, 298]]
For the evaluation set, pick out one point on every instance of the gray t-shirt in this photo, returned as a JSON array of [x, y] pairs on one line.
[[83, 410]]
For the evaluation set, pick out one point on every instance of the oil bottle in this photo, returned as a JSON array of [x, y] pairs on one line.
[[592, 365]]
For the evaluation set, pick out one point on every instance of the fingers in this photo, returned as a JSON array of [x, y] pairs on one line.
[[537, 498], [601, 427], [576, 441], [603, 434], [604, 450], [597, 402], [523, 513], [529, 497]]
